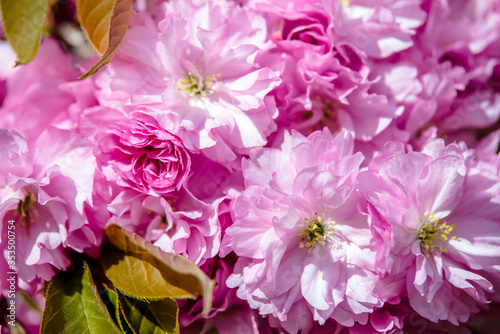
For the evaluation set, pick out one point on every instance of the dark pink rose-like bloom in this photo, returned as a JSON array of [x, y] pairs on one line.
[[141, 155]]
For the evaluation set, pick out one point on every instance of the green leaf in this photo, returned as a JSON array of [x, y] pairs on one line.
[[105, 22], [114, 308], [155, 317], [72, 305], [23, 25], [109, 298], [143, 271], [143, 276]]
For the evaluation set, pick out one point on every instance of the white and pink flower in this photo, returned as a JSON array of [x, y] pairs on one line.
[[303, 246], [435, 221], [200, 74], [45, 195]]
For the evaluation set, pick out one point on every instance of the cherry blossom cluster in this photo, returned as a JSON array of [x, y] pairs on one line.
[[332, 164]]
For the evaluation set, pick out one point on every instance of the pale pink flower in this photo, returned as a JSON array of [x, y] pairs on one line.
[[303, 246], [196, 68], [188, 221], [321, 90], [45, 92], [478, 104], [452, 25], [448, 78], [229, 314], [422, 87], [376, 28], [371, 28], [46, 203], [324, 84], [177, 223], [487, 151], [192, 230], [434, 218], [16, 158]]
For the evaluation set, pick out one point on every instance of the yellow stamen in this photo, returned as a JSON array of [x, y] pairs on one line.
[[198, 86], [429, 229], [23, 210], [316, 232]]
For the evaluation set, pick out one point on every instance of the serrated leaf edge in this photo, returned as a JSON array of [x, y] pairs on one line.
[[207, 285], [153, 313]]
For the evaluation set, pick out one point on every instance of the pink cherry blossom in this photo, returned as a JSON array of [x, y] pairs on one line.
[[324, 84], [333, 165], [453, 25], [448, 78], [435, 226], [322, 91], [229, 314], [178, 223], [45, 92], [303, 246], [45, 202], [376, 28], [198, 70]]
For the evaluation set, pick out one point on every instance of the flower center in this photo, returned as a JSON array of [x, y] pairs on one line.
[[197, 86], [316, 232], [328, 112], [23, 210], [430, 229]]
